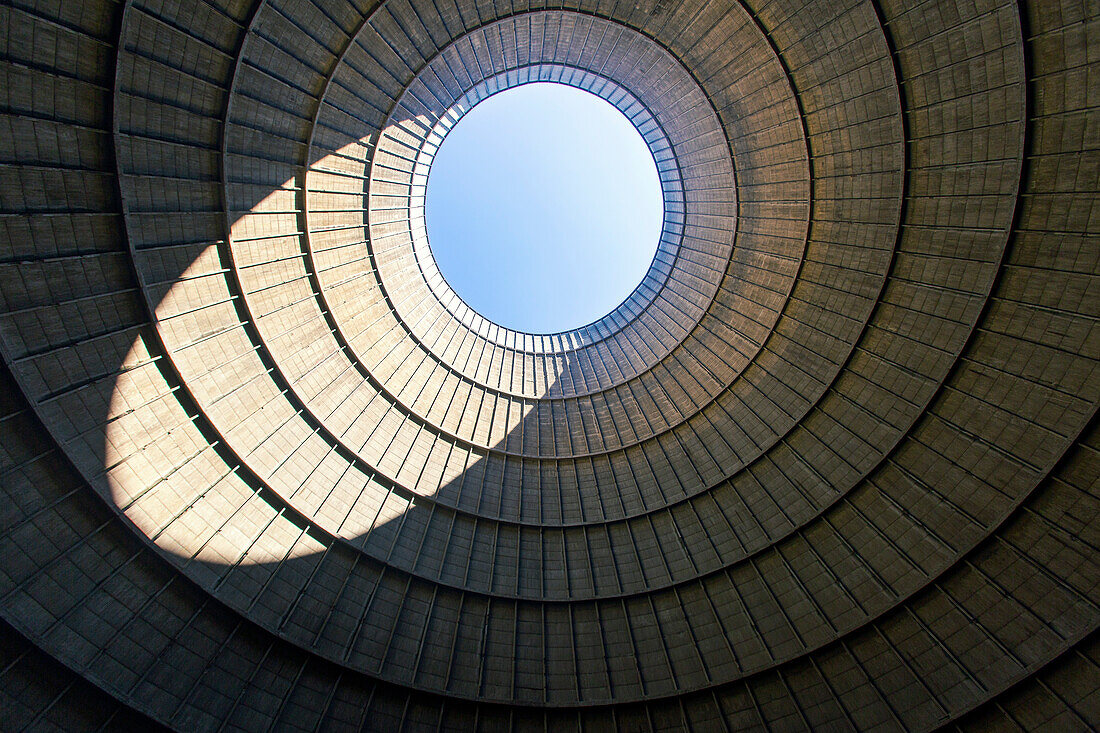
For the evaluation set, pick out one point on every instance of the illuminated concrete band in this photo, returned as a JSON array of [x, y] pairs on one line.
[[833, 464]]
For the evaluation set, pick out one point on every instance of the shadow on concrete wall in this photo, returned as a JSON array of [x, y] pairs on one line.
[[397, 540]]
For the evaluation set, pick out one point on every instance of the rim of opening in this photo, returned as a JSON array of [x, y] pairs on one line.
[[672, 210]]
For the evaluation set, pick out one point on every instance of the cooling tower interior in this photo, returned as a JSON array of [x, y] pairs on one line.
[[832, 465]]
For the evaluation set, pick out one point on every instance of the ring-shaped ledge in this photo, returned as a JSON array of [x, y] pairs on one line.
[[699, 225], [672, 195]]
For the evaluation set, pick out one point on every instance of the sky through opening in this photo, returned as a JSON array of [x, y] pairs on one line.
[[543, 208]]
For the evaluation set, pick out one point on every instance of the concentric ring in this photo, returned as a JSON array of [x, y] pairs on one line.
[[831, 465], [668, 176]]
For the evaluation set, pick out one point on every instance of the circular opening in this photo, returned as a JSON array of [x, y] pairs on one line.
[[543, 208]]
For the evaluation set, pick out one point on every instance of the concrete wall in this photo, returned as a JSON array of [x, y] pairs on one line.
[[834, 465]]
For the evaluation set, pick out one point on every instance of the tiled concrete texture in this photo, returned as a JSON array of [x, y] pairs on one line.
[[833, 465]]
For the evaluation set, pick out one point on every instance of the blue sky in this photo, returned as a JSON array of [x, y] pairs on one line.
[[543, 207]]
